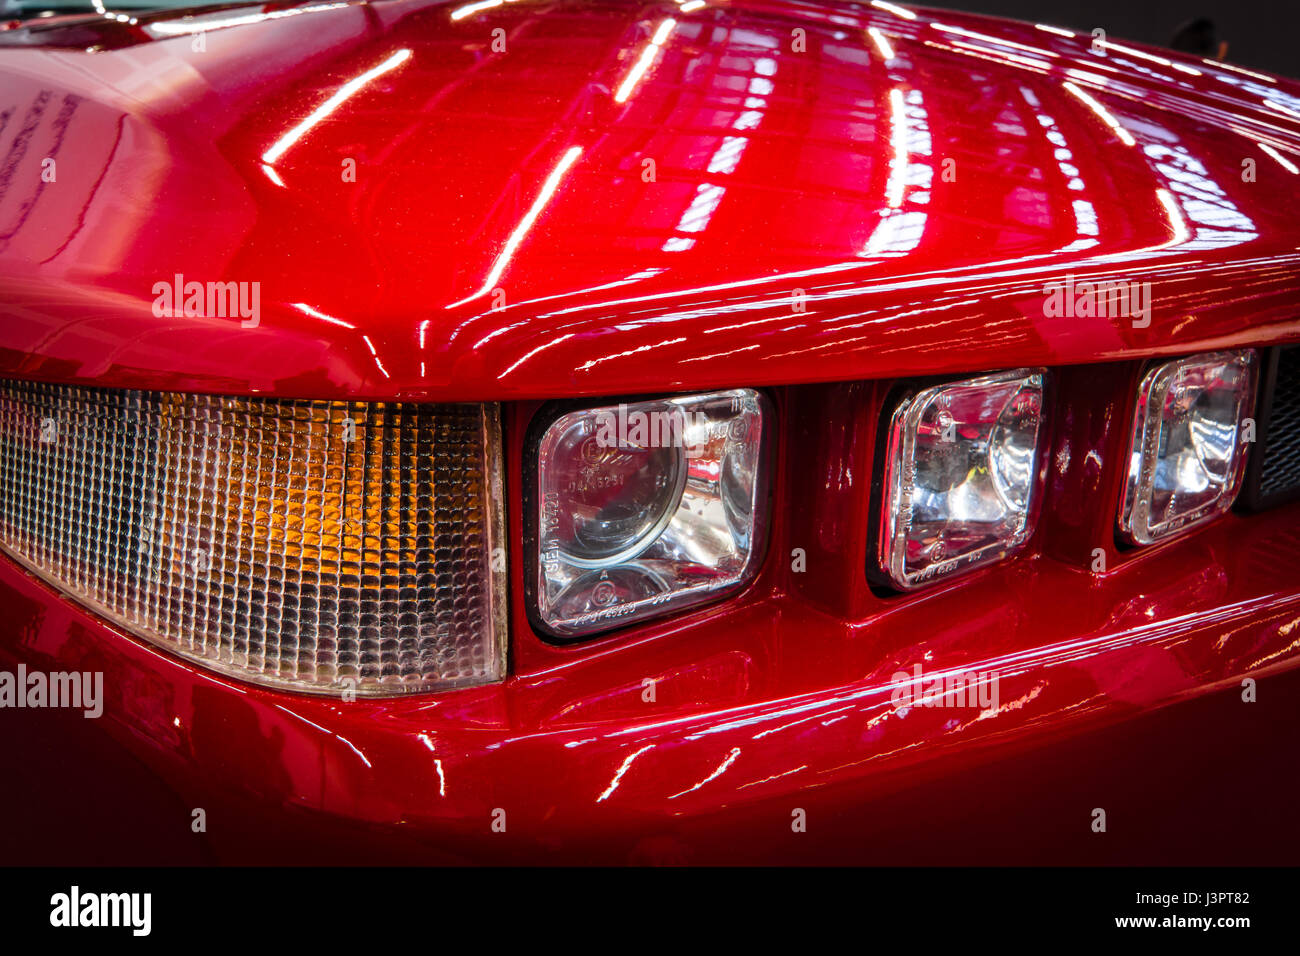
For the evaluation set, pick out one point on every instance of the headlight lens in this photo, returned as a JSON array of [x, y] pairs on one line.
[[1185, 457], [961, 476], [648, 508]]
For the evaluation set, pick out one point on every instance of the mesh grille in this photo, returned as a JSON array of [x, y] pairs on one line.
[[321, 546], [1279, 472]]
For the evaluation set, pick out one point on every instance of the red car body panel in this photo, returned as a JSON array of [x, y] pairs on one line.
[[824, 254], [453, 146]]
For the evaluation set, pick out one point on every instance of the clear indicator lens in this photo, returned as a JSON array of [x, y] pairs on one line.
[[648, 507]]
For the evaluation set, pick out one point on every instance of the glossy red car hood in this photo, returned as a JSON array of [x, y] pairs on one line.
[[474, 200]]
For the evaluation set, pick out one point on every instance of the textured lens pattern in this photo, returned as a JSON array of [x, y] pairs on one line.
[[319, 546]]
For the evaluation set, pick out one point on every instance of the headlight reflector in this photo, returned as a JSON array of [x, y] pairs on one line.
[[648, 507], [1185, 459], [961, 476]]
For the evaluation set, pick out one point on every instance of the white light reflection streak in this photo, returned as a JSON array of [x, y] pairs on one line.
[[1285, 163], [371, 345], [437, 764], [722, 768], [1124, 135], [1236, 69], [502, 329], [1211, 218], [894, 9], [197, 25], [646, 59], [775, 776], [618, 777], [726, 158], [119, 17], [900, 232], [330, 105], [997, 56], [1148, 57], [1086, 228], [460, 13], [617, 355], [716, 355], [315, 313], [1281, 109], [1176, 221], [1034, 659], [1057, 30], [544, 345], [882, 44], [1040, 51], [719, 287], [802, 720], [512, 244], [918, 280], [897, 139], [1083, 76], [327, 732]]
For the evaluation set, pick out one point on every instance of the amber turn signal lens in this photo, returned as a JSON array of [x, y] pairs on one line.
[[308, 545]]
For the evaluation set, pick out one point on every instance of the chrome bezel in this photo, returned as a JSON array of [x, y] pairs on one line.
[[895, 518], [1133, 522], [691, 599]]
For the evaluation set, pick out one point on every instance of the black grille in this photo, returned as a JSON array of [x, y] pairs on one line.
[[1274, 472]]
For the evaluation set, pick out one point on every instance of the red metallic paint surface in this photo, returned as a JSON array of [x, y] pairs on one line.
[[779, 697], [162, 173], [765, 703]]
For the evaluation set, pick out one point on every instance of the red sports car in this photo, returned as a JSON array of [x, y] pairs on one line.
[[695, 431]]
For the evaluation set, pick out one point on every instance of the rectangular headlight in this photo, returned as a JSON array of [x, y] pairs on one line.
[[962, 469], [318, 546], [647, 508], [1185, 456]]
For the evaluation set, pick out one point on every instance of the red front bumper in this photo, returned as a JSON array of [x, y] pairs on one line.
[[762, 716]]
